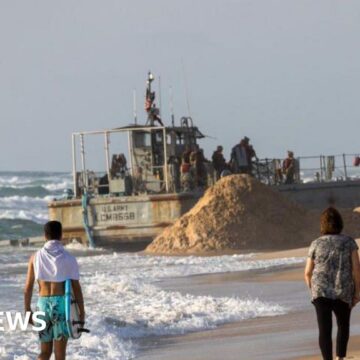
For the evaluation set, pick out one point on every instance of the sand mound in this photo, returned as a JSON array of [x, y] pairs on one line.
[[237, 213]]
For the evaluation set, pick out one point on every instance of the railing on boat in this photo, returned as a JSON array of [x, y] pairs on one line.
[[310, 169], [166, 177]]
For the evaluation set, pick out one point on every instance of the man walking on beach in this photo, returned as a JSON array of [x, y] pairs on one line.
[[51, 266]]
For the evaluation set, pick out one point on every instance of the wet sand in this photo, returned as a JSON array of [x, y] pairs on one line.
[[290, 336], [353, 350]]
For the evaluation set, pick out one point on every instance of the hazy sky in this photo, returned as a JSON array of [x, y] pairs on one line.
[[284, 72]]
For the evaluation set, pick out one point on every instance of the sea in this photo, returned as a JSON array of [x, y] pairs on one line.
[[23, 201], [126, 300]]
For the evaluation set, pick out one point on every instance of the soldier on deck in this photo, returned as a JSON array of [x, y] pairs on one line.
[[241, 157], [150, 107], [289, 168], [187, 178], [198, 169], [219, 162], [118, 166]]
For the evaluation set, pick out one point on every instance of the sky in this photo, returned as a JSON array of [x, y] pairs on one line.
[[286, 73]]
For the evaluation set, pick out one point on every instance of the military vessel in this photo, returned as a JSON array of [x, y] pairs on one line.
[[153, 174], [139, 191]]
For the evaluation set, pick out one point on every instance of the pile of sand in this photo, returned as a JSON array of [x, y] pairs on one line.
[[238, 213]]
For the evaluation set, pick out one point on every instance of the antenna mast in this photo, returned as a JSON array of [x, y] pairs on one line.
[[172, 106], [186, 88], [134, 106], [160, 112]]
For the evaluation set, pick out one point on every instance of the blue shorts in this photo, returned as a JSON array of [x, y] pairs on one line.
[[54, 309]]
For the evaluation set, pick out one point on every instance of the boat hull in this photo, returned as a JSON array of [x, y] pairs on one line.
[[341, 194], [127, 222]]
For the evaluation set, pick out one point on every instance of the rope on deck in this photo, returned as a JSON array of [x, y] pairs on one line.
[[85, 203]]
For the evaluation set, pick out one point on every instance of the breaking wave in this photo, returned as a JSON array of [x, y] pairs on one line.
[[23, 201], [124, 306]]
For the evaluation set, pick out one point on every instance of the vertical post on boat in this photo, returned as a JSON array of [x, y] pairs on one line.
[[267, 171], [325, 167], [160, 112], [134, 107], [82, 146], [130, 149], [165, 161], [345, 168], [172, 107], [186, 88], [74, 164], [321, 168], [257, 169], [107, 157]]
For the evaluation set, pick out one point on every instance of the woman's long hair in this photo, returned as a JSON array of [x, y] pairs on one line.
[[331, 222]]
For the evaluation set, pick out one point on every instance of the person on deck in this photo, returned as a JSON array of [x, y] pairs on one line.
[[219, 162], [187, 179], [289, 168], [241, 157]]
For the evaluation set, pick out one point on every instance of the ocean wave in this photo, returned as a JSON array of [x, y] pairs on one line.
[[33, 184], [33, 191], [58, 186], [147, 310], [33, 188], [24, 208], [123, 305], [160, 267], [21, 215], [142, 312], [36, 217], [13, 229], [19, 201], [23, 201]]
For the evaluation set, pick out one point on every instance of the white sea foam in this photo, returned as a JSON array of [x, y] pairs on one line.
[[9, 180], [39, 218], [121, 311], [75, 245], [32, 204], [15, 257], [48, 182], [157, 267], [53, 187], [58, 186], [16, 181], [21, 201], [24, 208], [146, 310], [125, 302]]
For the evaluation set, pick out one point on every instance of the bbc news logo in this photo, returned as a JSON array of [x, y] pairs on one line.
[[18, 320]]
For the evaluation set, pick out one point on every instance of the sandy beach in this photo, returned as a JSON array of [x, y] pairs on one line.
[[290, 336]]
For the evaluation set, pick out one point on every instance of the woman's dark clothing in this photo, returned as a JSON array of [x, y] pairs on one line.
[[324, 308], [332, 289]]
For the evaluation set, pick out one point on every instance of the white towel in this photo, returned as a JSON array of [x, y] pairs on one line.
[[53, 263]]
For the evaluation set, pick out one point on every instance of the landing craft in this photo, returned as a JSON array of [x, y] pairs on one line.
[[139, 193], [163, 174]]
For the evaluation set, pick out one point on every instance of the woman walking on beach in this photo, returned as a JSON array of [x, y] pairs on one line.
[[332, 273]]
